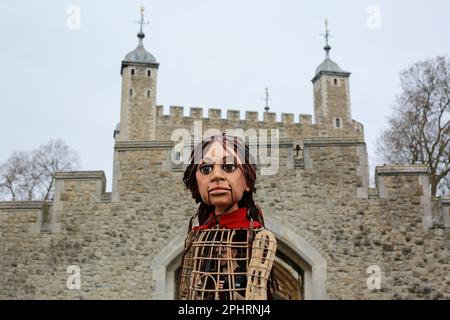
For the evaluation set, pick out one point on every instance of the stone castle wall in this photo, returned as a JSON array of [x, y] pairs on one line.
[[325, 201]]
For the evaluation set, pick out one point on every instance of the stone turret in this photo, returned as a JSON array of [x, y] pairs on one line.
[[138, 105], [332, 96]]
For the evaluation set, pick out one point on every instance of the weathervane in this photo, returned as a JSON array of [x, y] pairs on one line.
[[142, 22], [327, 35]]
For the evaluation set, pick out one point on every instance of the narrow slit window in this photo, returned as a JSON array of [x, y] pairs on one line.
[[335, 82], [132, 72], [148, 73], [131, 92], [148, 93]]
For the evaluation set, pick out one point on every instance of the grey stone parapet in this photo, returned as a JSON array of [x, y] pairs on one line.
[[396, 170], [359, 142], [401, 170], [406, 169], [48, 212], [333, 141], [21, 205], [38, 209], [97, 178], [84, 175], [133, 145]]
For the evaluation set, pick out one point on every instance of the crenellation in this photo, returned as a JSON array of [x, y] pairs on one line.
[[251, 116], [233, 115], [251, 119], [159, 111], [196, 113], [214, 114], [176, 112], [305, 119], [287, 118], [270, 117]]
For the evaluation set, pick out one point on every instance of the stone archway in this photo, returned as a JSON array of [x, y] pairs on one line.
[[299, 266]]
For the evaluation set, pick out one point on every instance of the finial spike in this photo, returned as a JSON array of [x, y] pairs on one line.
[[327, 34], [142, 17], [266, 108]]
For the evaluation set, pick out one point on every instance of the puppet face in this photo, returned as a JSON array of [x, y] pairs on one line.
[[219, 179]]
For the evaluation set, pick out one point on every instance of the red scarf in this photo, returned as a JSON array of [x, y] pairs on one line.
[[233, 220]]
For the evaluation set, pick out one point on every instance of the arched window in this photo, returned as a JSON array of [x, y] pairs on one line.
[[335, 82], [148, 73], [338, 123], [148, 93]]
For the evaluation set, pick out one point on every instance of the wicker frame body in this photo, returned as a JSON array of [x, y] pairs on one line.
[[227, 264]]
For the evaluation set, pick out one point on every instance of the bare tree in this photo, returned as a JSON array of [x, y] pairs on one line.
[[20, 177], [31, 175], [419, 129]]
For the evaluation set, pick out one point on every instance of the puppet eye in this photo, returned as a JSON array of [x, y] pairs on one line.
[[229, 167], [205, 168]]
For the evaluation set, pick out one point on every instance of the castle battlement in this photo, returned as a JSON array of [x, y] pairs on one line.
[[177, 113], [88, 186]]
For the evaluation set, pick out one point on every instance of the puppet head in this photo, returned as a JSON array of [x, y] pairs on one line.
[[221, 176]]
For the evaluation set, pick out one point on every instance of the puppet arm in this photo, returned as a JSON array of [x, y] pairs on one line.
[[258, 272]]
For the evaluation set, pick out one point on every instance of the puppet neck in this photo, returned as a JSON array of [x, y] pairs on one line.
[[233, 220]]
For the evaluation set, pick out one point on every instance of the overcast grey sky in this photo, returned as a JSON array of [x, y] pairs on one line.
[[58, 82]]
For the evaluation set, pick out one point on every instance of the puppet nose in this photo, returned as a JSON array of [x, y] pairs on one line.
[[217, 174]]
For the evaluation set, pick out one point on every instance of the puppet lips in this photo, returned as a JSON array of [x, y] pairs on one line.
[[218, 190]]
